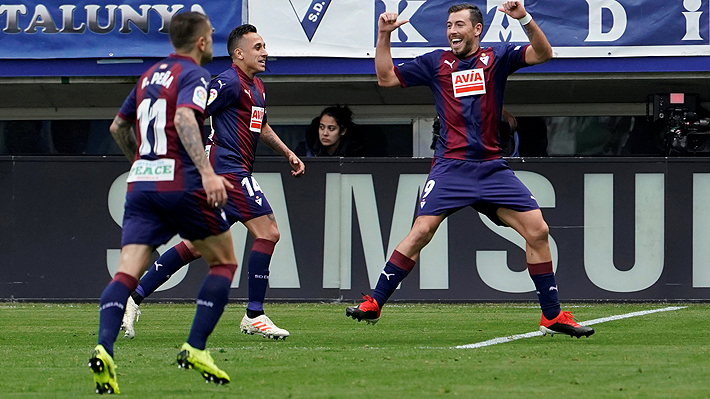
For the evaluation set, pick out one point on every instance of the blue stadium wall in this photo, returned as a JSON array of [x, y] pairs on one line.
[[622, 229]]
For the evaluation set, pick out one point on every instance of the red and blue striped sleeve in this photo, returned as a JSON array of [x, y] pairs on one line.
[[128, 109]]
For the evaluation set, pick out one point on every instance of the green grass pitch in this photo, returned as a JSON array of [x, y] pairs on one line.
[[409, 354]]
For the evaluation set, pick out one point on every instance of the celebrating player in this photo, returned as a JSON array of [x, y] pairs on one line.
[[468, 84], [238, 117], [172, 188]]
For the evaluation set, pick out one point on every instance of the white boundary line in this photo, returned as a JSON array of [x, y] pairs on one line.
[[510, 338]]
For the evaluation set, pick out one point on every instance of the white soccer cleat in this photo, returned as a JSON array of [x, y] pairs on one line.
[[130, 316], [263, 326]]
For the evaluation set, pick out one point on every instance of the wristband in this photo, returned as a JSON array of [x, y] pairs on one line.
[[526, 19]]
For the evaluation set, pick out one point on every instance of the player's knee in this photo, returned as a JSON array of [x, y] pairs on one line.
[[422, 235], [538, 234], [274, 235], [271, 234]]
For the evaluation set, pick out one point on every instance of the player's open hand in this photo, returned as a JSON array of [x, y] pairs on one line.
[[514, 8], [297, 166], [388, 22]]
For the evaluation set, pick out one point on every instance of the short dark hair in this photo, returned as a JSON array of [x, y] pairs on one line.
[[475, 12], [341, 113], [236, 35], [186, 27]]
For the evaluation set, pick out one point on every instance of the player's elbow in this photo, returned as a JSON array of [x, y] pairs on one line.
[[389, 81], [544, 54], [547, 54], [115, 129]]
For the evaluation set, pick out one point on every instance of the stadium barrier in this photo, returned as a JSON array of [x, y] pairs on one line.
[[621, 229]]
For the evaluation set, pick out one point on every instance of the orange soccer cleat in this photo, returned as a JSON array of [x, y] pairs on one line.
[[368, 311], [564, 324]]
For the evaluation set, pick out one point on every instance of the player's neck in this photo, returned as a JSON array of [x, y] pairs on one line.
[[473, 51], [250, 73], [195, 55]]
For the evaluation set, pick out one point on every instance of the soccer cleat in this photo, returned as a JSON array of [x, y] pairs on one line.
[[104, 370], [263, 326], [201, 361], [368, 311], [130, 316], [564, 324]]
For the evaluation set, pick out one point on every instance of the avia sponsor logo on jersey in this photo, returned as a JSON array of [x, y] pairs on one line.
[[97, 18], [257, 116], [468, 83]]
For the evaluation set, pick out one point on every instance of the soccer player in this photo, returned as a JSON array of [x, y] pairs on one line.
[[172, 188], [238, 117], [468, 84]]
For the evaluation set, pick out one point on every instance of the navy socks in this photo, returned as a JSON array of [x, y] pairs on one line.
[[396, 269], [211, 301], [546, 288], [168, 263], [259, 275], [112, 307]]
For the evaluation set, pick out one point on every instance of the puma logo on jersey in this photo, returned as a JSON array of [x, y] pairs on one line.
[[157, 265], [450, 63], [221, 84], [248, 92], [553, 288], [387, 275]]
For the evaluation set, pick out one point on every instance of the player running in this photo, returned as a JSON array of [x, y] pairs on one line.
[[237, 105], [172, 188], [468, 84]]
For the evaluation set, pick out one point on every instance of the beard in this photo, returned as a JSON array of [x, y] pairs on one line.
[[465, 50], [206, 57]]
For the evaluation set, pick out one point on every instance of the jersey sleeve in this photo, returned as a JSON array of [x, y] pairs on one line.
[[417, 72], [128, 109], [192, 92], [512, 57], [222, 94]]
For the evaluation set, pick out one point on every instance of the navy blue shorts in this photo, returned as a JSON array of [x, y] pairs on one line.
[[153, 217], [246, 200], [486, 186]]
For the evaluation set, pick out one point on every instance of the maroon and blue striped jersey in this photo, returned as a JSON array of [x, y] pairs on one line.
[[237, 109], [468, 94], [161, 162]]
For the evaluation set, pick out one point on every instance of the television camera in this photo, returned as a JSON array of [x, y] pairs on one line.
[[685, 133]]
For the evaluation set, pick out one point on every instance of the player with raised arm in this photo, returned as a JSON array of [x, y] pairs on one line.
[[468, 83], [172, 189], [237, 105]]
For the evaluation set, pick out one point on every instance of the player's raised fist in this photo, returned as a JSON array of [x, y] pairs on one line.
[[388, 22], [514, 8]]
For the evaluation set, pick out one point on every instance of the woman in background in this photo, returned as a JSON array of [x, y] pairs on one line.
[[333, 133]]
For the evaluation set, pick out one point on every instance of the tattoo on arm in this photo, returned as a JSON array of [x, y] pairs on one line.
[[269, 137], [122, 132], [529, 31], [189, 132]]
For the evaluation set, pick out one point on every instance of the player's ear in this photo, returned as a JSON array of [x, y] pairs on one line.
[[478, 29], [238, 53]]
